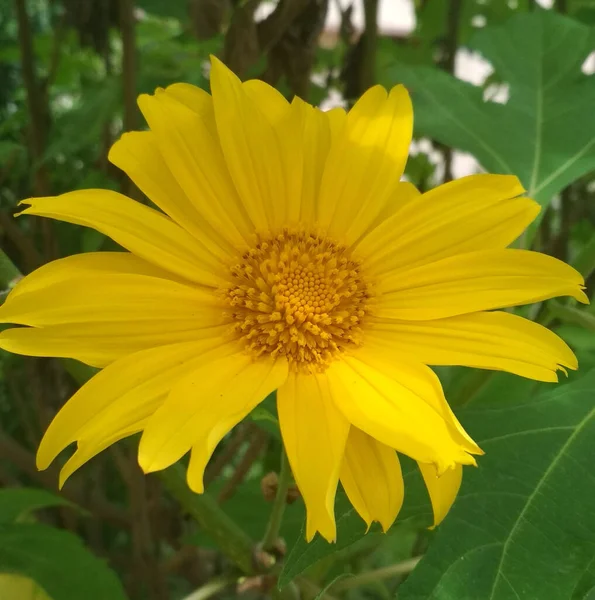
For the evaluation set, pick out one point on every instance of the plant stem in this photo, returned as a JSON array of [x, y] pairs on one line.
[[401, 568], [230, 538], [274, 525], [209, 589]]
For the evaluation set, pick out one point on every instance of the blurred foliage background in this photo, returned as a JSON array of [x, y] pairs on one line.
[[524, 524]]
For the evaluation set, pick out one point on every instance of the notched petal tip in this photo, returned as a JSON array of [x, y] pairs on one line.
[[581, 296], [325, 526]]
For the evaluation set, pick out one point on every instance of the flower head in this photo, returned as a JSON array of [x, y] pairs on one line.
[[288, 255]]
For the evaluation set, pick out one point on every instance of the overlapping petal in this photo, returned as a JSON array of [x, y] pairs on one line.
[[479, 212], [314, 434], [88, 264], [121, 396], [140, 229], [365, 163], [399, 409], [476, 281], [262, 146], [99, 344], [486, 340], [137, 154], [203, 406], [113, 299], [372, 479], [188, 142]]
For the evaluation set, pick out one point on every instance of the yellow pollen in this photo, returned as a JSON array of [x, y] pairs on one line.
[[298, 295]]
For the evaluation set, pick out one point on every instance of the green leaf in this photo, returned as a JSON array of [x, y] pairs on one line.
[[584, 263], [545, 134], [523, 526], [351, 528], [16, 503], [328, 586], [8, 272], [571, 314], [58, 562]]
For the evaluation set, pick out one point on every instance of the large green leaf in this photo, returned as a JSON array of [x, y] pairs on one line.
[[523, 526], [16, 503], [545, 133], [58, 562]]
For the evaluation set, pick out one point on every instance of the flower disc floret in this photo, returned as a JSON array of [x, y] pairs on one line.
[[300, 295]]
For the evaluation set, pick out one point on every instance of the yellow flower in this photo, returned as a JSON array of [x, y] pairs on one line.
[[292, 258]]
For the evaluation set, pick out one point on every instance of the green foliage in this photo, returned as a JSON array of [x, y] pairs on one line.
[[545, 134], [58, 561], [54, 559], [18, 503], [523, 525]]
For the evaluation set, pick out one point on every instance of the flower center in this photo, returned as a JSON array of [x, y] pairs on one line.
[[298, 295]]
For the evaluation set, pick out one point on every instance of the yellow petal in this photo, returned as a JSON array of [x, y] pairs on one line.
[[316, 138], [366, 162], [113, 298], [99, 344], [314, 434], [90, 447], [125, 392], [485, 340], [90, 264], [137, 154], [203, 407], [138, 228], [265, 95], [372, 479], [195, 99], [261, 146], [476, 281], [400, 367], [187, 141], [397, 410], [443, 489], [479, 212]]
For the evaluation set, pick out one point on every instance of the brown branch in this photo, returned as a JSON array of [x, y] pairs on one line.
[[129, 58], [35, 98], [367, 74], [272, 28], [31, 258], [39, 116], [142, 535], [56, 55], [447, 63]]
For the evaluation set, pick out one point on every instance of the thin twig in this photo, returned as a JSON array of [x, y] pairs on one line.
[[129, 58], [30, 257], [231, 539], [389, 572], [271, 534], [142, 536]]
